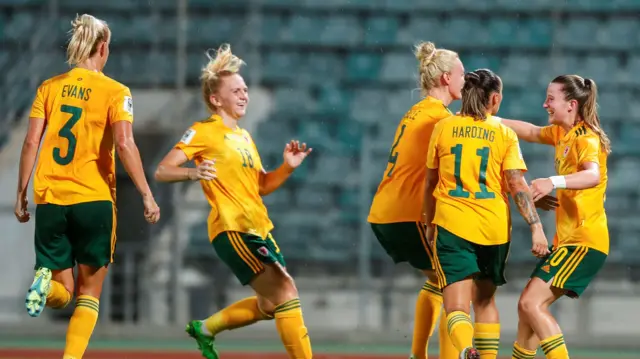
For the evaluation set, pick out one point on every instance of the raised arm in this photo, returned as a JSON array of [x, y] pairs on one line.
[[294, 154], [525, 130]]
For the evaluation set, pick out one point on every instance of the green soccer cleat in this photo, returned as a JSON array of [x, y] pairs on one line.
[[36, 298], [205, 342]]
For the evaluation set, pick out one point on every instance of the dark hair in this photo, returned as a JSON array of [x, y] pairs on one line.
[[585, 92], [478, 87]]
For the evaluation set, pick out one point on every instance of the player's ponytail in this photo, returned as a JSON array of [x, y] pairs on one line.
[[221, 64], [476, 93], [585, 92], [432, 63], [87, 32]]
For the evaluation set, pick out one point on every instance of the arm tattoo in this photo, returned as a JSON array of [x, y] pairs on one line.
[[522, 196]]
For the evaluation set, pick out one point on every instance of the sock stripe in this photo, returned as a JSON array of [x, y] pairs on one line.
[[456, 320], [88, 303], [548, 350], [289, 305], [551, 344], [521, 353], [429, 287]]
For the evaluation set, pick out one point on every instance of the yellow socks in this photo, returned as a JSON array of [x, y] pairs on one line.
[[460, 330], [428, 308], [292, 331], [58, 296], [554, 347], [522, 353], [487, 339], [81, 326], [447, 350], [239, 314]]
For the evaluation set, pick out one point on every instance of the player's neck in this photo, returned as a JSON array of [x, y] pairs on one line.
[[90, 64], [442, 94], [567, 126], [228, 121]]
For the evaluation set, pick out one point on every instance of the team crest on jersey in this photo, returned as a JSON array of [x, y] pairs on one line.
[[263, 251], [566, 151]]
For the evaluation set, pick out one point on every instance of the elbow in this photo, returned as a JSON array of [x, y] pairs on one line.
[[263, 191], [124, 144], [159, 174], [594, 178]]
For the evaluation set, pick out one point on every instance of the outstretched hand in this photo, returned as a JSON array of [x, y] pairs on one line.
[[295, 153]]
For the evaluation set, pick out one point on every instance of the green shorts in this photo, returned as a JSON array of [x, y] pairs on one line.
[[457, 259], [405, 242], [246, 254], [83, 233], [571, 268]]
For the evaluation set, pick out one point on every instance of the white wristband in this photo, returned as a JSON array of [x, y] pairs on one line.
[[558, 181]]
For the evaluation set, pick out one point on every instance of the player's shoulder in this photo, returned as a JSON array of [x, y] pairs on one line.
[[430, 109], [582, 131], [113, 85], [53, 81]]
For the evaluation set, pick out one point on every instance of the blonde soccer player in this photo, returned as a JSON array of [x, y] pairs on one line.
[[581, 242], [396, 212], [233, 180], [86, 115], [471, 157]]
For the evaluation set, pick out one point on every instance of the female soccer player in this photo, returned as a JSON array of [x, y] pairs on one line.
[[470, 156], [86, 114], [396, 211], [233, 179], [581, 243]]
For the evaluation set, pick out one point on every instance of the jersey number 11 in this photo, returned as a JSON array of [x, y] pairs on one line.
[[484, 193]]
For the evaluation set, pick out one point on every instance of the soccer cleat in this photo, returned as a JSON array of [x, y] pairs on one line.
[[470, 353], [37, 294], [205, 342]]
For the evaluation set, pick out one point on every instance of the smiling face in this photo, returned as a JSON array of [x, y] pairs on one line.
[[558, 108], [232, 96]]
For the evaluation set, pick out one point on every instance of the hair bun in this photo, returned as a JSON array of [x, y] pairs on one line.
[[472, 78], [587, 83]]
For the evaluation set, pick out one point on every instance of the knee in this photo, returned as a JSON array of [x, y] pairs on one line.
[[527, 305], [287, 289]]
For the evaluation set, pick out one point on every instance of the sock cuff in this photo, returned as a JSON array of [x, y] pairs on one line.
[[288, 306], [457, 318], [551, 343], [88, 302], [522, 353], [488, 328], [431, 287]]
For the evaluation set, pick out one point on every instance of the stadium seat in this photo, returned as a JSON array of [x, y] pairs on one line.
[[381, 30], [535, 32], [418, 27], [578, 33], [271, 27], [340, 30], [18, 28], [399, 68], [615, 34], [281, 66], [502, 31], [369, 106], [335, 101], [303, 30], [600, 68], [363, 66], [464, 31]]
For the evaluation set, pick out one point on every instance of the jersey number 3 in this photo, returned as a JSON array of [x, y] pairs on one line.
[[483, 153], [65, 132]]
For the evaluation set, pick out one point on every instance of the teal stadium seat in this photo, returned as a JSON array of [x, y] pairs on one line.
[[168, 32], [340, 30], [464, 31], [281, 198], [199, 244], [293, 100], [525, 5], [317, 65], [613, 104], [502, 31], [475, 61], [21, 2], [272, 134], [629, 138], [334, 101], [212, 32], [399, 67], [400, 101], [338, 4], [141, 30], [601, 68], [535, 33], [615, 34], [19, 28], [369, 106], [303, 30], [350, 134], [578, 33], [412, 5], [472, 4], [281, 66], [418, 27], [271, 27], [363, 67], [316, 197], [381, 30], [519, 70]]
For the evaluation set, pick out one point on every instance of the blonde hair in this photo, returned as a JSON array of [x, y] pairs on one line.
[[432, 63], [585, 92], [223, 63], [87, 32]]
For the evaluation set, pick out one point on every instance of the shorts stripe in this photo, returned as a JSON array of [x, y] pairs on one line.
[[114, 225], [425, 243], [442, 280], [569, 266], [244, 252]]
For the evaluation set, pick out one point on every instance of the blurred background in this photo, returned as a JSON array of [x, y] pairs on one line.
[[339, 75]]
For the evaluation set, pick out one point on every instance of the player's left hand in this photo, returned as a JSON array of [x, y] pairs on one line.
[[431, 232], [541, 187], [294, 153], [21, 212], [547, 203]]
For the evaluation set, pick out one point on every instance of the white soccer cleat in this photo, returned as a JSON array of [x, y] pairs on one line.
[[37, 294]]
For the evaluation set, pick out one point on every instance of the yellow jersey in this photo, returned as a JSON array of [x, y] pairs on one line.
[[580, 218], [471, 197], [401, 192], [76, 163], [234, 197]]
